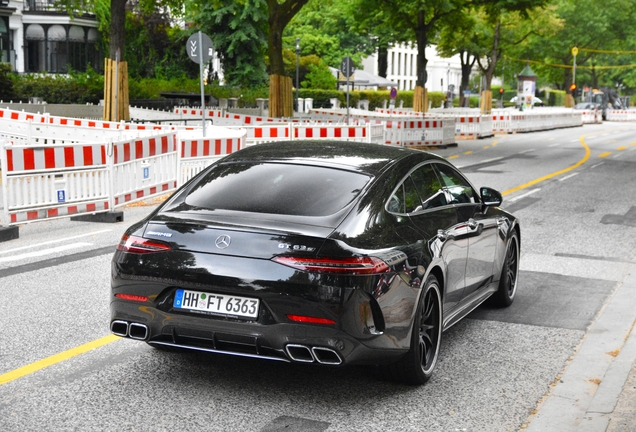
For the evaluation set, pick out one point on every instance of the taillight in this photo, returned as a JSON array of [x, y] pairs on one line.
[[132, 297], [345, 266], [310, 320], [140, 245]]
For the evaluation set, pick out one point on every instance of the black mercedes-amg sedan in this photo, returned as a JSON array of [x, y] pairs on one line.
[[317, 252]]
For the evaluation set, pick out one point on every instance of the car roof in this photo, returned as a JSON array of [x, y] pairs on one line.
[[367, 158]]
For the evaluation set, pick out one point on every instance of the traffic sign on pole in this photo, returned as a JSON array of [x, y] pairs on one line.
[[199, 49], [347, 67]]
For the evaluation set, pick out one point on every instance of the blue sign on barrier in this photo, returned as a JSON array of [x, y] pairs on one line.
[[61, 196], [146, 172]]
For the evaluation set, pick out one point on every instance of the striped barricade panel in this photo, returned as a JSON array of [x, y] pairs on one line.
[[342, 132], [21, 159], [485, 126], [393, 132], [144, 168], [198, 153], [467, 126], [53, 182], [501, 122], [265, 133], [207, 147]]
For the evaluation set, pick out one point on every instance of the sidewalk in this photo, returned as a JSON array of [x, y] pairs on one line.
[[597, 390]]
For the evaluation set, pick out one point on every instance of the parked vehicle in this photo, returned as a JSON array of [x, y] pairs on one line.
[[317, 252]]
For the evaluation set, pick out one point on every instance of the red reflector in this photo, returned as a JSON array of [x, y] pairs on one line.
[[140, 245], [346, 266], [311, 320], [132, 297]]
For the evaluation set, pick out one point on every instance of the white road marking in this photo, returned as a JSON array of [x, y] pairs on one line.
[[594, 166], [58, 241], [567, 177], [44, 252], [517, 198]]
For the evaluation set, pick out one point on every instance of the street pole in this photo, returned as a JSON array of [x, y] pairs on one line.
[[348, 74], [297, 67], [201, 81]]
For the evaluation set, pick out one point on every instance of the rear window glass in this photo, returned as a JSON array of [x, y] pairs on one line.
[[277, 188]]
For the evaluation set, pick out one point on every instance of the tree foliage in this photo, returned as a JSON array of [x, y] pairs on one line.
[[592, 27], [328, 29], [238, 29]]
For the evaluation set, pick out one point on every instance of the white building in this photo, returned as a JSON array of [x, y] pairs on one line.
[[402, 68], [35, 36]]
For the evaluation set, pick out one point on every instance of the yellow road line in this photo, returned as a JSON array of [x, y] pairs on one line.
[[549, 176], [57, 358], [604, 155], [486, 147], [468, 152], [622, 148]]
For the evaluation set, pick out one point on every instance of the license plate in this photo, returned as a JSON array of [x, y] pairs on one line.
[[218, 304]]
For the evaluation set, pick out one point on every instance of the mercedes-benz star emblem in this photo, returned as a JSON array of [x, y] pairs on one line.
[[223, 241]]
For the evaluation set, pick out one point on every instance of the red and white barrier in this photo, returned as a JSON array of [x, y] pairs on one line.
[[198, 153], [474, 126], [415, 133], [97, 170], [621, 115], [591, 116], [55, 181]]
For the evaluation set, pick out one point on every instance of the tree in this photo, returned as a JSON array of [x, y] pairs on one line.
[[592, 27], [280, 94], [501, 23], [238, 30], [457, 38], [328, 29], [412, 21]]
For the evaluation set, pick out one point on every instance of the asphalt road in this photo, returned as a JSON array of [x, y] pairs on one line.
[[575, 193]]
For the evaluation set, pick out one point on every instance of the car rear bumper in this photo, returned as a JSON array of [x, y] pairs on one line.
[[288, 342]]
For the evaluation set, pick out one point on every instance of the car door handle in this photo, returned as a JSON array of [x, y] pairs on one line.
[[472, 224], [442, 235]]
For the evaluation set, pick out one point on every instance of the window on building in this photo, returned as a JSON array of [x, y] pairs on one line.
[[5, 46]]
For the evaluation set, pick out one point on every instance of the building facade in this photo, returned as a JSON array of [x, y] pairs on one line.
[[37, 37], [402, 68]]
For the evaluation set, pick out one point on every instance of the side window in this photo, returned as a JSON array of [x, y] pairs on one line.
[[412, 201], [429, 187], [396, 202], [405, 199], [456, 185]]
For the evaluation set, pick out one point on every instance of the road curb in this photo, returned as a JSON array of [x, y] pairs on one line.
[[592, 382]]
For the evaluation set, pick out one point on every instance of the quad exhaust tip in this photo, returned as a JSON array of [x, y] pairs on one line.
[[305, 354], [131, 330]]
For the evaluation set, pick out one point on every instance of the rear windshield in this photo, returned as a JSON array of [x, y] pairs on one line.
[[277, 188]]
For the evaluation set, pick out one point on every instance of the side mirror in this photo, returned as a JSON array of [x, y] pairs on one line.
[[490, 197]]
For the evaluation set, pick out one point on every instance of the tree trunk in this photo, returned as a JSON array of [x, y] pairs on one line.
[[420, 96], [117, 28], [383, 61], [279, 16], [489, 72], [467, 67]]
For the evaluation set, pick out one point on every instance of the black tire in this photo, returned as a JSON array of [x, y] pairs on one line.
[[417, 365], [505, 295]]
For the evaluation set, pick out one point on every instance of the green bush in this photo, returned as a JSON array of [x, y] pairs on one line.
[[554, 97], [74, 88], [6, 82]]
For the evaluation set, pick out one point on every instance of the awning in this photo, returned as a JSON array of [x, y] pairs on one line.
[[366, 79]]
